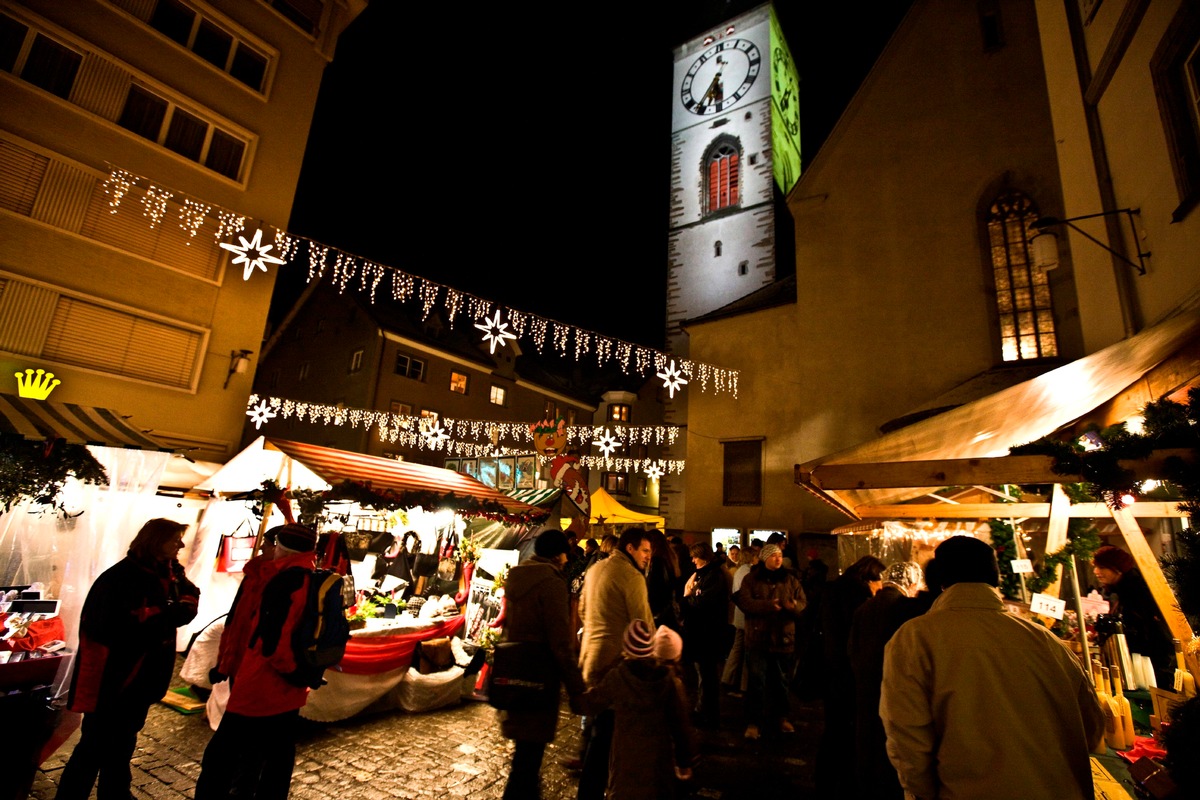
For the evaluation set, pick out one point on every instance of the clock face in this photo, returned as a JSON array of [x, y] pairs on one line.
[[720, 76], [784, 89]]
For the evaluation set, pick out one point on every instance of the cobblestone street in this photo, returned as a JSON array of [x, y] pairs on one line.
[[453, 752]]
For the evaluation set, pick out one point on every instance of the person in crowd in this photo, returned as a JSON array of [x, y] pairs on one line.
[[780, 540], [978, 702], [664, 583], [682, 558], [772, 599], [719, 550], [835, 769], [126, 657], [705, 626], [590, 549], [733, 559], [655, 747], [537, 610], [254, 746], [614, 595], [901, 598], [1130, 600], [608, 545], [810, 671], [735, 676]]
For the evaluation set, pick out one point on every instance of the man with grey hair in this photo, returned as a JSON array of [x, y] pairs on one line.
[[978, 702]]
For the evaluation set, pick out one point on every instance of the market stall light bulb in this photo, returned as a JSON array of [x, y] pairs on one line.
[[1128, 499]]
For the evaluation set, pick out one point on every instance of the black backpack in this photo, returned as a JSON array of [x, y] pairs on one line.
[[319, 638]]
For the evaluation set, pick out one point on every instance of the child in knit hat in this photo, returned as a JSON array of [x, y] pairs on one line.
[[653, 744]]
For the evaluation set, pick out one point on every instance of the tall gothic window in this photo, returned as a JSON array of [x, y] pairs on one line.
[[1023, 305], [722, 175]]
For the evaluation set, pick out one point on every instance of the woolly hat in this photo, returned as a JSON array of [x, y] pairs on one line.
[[768, 551], [667, 645], [300, 538], [1113, 558], [639, 640], [550, 543]]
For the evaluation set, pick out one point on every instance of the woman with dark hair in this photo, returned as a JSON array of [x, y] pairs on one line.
[[1130, 601], [836, 775], [705, 627], [663, 584], [126, 657]]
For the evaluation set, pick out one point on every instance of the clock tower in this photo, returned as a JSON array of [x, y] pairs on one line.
[[735, 140]]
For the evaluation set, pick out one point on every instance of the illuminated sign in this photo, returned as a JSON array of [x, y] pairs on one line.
[[36, 385]]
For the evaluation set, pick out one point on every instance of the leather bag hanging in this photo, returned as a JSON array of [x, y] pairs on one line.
[[236, 548], [425, 564], [449, 566], [398, 561]]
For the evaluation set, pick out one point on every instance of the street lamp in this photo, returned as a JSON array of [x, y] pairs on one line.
[[1044, 244]]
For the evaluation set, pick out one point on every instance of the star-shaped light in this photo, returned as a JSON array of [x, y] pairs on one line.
[[607, 443], [495, 331], [654, 472], [434, 435], [260, 413], [253, 254], [672, 378]]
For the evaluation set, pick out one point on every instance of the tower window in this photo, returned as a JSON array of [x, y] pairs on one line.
[[717, 249], [722, 174], [1023, 305], [356, 360], [744, 268], [990, 25]]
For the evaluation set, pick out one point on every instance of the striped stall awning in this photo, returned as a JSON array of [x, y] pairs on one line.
[[43, 419], [402, 478], [536, 497]]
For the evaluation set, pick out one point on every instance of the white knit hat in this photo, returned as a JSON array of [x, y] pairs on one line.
[[667, 644]]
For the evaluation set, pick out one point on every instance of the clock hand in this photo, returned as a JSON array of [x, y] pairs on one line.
[[715, 92]]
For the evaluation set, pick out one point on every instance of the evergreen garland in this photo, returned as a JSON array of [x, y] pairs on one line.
[[37, 470], [1168, 425], [1083, 540]]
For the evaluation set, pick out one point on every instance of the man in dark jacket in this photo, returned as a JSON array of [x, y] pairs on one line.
[[706, 628], [126, 656], [537, 611], [772, 599]]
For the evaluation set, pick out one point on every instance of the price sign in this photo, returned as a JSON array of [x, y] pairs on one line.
[[1047, 605], [1022, 566]]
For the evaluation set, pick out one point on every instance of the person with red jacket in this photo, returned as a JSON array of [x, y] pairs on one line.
[[255, 744], [126, 656]]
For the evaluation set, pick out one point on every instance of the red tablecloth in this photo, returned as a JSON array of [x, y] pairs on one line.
[[374, 654]]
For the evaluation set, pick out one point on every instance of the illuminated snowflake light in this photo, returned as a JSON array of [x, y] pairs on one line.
[[260, 413], [261, 254], [434, 435], [673, 379], [654, 472], [495, 331], [607, 443]]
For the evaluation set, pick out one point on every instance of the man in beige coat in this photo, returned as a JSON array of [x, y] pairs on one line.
[[614, 594], [980, 703]]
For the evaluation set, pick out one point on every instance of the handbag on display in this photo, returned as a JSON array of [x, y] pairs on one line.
[[398, 562], [236, 548], [434, 655], [524, 675], [449, 567], [425, 564]]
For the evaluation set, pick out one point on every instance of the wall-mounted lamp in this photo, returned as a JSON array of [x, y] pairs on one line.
[[1044, 245], [239, 362]]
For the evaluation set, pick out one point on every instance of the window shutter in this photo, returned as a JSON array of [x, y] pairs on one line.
[[21, 173]]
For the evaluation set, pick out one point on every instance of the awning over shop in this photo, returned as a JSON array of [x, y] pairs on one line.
[[607, 511], [536, 497], [77, 424], [403, 481], [968, 445]]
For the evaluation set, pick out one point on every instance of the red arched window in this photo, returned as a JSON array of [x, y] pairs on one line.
[[723, 177]]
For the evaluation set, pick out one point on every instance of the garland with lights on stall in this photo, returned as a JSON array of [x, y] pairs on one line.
[[1168, 426], [312, 502], [1083, 540], [38, 470]]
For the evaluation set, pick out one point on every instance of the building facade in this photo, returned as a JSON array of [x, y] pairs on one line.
[[135, 137], [915, 287]]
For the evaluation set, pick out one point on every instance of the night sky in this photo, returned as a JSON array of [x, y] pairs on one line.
[[524, 158]]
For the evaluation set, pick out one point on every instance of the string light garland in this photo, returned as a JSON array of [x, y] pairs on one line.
[[468, 438], [538, 331]]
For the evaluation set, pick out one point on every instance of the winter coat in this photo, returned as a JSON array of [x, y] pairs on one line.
[[769, 628], [706, 615], [651, 732], [258, 688], [537, 610], [981, 703], [127, 634], [614, 594]]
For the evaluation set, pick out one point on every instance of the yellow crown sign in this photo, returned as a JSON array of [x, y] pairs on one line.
[[36, 386]]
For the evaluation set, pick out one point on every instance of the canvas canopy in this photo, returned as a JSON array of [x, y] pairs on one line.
[[607, 511]]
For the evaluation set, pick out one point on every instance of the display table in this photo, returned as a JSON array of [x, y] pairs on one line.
[[376, 661]]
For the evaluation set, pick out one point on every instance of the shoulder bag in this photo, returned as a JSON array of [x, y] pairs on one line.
[[524, 677]]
